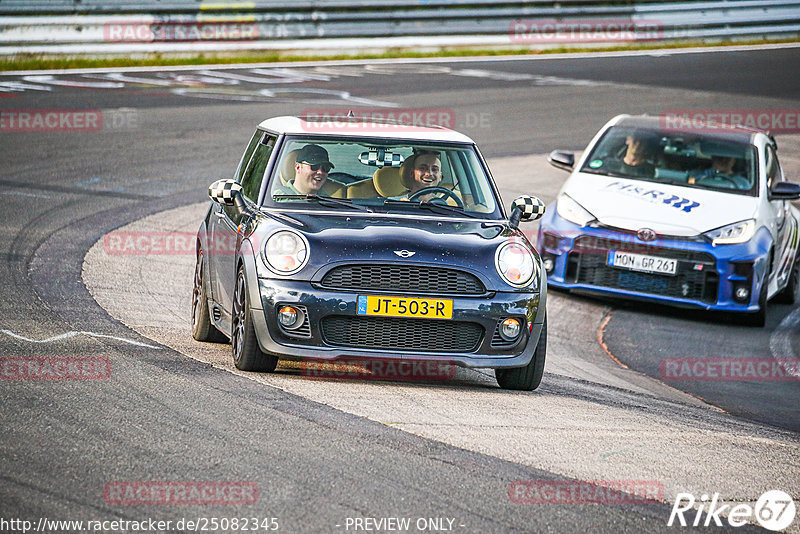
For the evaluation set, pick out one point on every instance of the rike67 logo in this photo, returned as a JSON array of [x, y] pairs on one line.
[[774, 510]]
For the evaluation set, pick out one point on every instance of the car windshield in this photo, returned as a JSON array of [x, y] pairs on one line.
[[373, 173], [694, 160]]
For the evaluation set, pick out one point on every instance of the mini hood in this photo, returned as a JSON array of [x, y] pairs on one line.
[[348, 238]]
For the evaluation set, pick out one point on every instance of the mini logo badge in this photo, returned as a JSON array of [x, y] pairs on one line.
[[646, 234], [404, 253]]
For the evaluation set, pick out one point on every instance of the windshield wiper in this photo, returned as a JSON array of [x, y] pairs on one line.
[[606, 173], [442, 208], [326, 201]]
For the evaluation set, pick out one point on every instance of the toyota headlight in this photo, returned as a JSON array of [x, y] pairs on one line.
[[739, 232], [285, 252], [570, 210], [516, 264]]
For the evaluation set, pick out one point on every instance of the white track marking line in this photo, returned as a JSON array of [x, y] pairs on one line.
[[120, 77], [73, 333], [47, 79], [23, 194]]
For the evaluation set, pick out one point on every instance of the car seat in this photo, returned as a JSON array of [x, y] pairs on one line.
[[387, 182]]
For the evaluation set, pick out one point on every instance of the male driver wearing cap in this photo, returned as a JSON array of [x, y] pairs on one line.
[[310, 172]]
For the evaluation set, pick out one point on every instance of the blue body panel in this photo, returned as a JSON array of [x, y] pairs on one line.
[[557, 237]]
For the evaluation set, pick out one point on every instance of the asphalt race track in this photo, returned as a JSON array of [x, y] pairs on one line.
[[320, 454]]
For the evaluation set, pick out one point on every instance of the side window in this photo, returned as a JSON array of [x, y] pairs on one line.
[[774, 171], [254, 172], [248, 153]]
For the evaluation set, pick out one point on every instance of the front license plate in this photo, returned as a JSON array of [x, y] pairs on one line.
[[642, 262], [405, 307]]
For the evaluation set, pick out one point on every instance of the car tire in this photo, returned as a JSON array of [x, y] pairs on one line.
[[247, 355], [759, 318], [202, 328], [529, 377], [788, 295]]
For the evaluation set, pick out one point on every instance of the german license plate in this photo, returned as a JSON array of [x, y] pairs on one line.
[[642, 262], [405, 307]]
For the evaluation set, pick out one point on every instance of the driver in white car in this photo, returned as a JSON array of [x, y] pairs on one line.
[[722, 168]]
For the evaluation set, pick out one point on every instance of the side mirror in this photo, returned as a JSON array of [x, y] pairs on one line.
[[227, 193], [561, 160], [525, 208], [784, 191]]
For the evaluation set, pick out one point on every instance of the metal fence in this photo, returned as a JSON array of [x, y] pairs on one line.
[[162, 25]]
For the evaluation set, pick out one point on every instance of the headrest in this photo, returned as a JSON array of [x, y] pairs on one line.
[[287, 166], [388, 182]]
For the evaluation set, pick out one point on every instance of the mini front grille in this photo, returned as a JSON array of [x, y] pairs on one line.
[[391, 333], [411, 278]]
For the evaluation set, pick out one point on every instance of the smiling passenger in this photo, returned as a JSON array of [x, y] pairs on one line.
[[310, 171], [421, 171]]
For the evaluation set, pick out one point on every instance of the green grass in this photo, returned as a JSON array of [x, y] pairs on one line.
[[35, 62]]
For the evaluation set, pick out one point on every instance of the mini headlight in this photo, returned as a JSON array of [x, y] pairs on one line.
[[739, 232], [570, 210], [285, 252], [516, 264]]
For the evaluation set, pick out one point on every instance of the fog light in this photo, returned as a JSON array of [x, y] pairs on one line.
[[549, 264], [741, 293], [288, 316], [510, 329]]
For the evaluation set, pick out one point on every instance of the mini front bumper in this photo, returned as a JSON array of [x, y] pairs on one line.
[[708, 276], [323, 303]]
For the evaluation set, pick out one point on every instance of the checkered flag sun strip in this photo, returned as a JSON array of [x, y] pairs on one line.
[[531, 207], [223, 190], [380, 158]]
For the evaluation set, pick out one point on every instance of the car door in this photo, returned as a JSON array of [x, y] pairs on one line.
[[783, 223], [224, 238]]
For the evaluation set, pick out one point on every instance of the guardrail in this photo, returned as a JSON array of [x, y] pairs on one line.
[[53, 26]]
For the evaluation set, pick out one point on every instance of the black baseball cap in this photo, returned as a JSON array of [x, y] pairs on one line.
[[313, 154]]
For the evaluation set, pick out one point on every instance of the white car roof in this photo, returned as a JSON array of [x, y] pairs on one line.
[[363, 127], [740, 134]]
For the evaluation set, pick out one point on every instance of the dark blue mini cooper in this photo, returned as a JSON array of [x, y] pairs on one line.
[[342, 239]]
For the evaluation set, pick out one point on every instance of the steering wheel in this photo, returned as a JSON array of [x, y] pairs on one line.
[[436, 189], [724, 177]]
